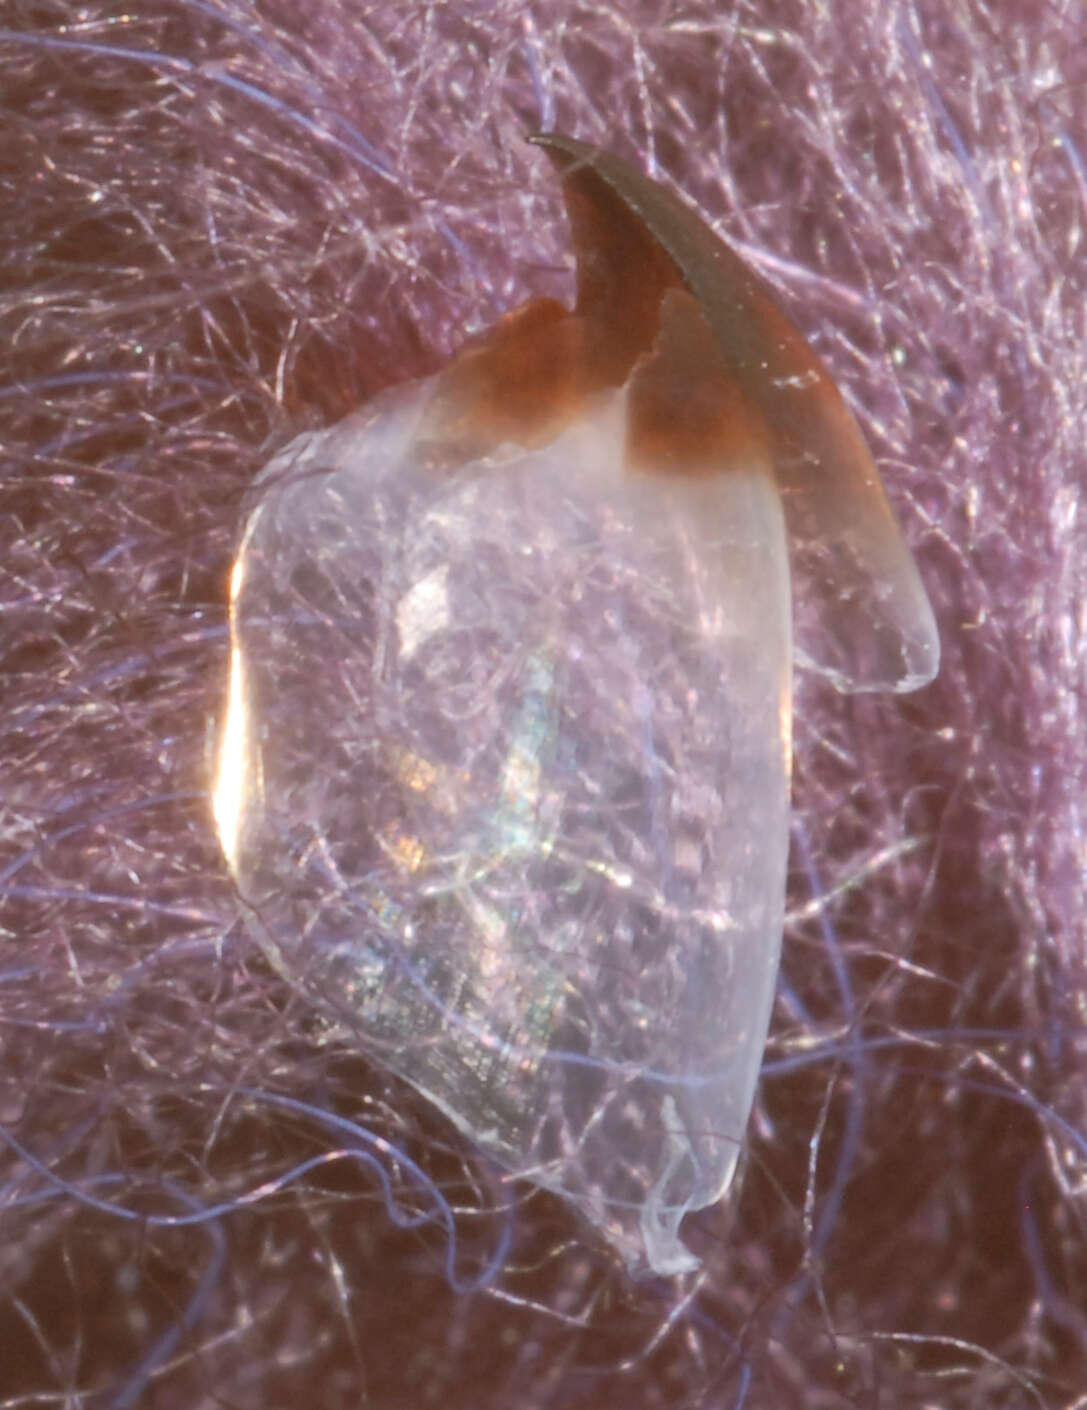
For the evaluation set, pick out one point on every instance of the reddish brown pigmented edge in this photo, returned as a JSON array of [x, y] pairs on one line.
[[536, 370]]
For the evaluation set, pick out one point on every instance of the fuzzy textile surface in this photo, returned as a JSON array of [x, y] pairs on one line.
[[225, 220]]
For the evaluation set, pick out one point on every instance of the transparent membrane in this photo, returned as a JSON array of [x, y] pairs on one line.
[[504, 780]]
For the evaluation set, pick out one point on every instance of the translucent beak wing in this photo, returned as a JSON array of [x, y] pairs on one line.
[[505, 784]]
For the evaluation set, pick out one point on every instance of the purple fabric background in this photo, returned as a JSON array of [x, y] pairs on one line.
[[221, 221]]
